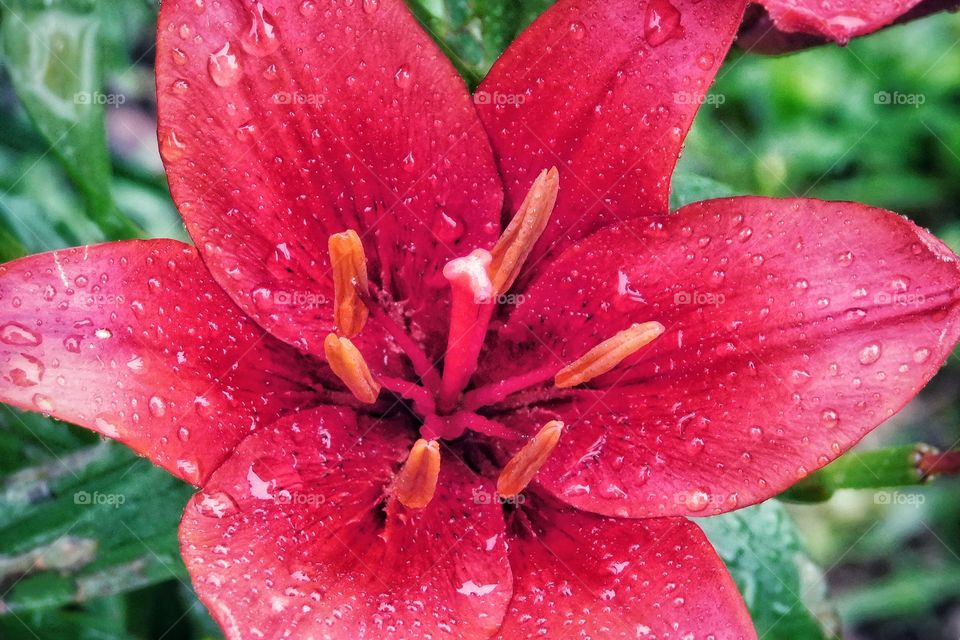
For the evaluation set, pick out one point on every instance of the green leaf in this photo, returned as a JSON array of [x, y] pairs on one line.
[[686, 188], [87, 524], [51, 50], [781, 586]]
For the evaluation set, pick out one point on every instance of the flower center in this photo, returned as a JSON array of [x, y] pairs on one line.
[[444, 402]]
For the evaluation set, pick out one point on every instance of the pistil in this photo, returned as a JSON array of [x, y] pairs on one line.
[[472, 303], [349, 281], [348, 364], [417, 481], [522, 467], [608, 354]]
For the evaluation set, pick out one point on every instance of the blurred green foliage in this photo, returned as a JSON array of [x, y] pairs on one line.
[[874, 122]]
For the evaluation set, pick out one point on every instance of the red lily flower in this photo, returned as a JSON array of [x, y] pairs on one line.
[[602, 359], [778, 26]]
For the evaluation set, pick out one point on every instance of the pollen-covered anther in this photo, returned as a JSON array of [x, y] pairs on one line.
[[608, 354], [417, 481], [522, 467], [348, 364], [349, 280], [526, 227]]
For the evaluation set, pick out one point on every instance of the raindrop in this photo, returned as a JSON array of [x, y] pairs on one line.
[[829, 418], [262, 298], [370, 6], [577, 30], [845, 258], [697, 500], [402, 78], [158, 408], [43, 402], [216, 504], [223, 67], [448, 228], [261, 38], [16, 334], [171, 147], [921, 355], [869, 354], [662, 22], [307, 8], [409, 162], [72, 343], [27, 371], [106, 425]]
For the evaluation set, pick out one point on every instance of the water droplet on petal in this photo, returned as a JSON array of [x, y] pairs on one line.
[[845, 258], [662, 22], [869, 354], [921, 355], [43, 402], [409, 162], [697, 500], [577, 30], [370, 6], [107, 425], [157, 406], [216, 504], [402, 78], [26, 371], [171, 147], [829, 418], [261, 39], [307, 8], [14, 333], [223, 67]]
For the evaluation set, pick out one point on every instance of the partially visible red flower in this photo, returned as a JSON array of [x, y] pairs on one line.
[[358, 364], [779, 26]]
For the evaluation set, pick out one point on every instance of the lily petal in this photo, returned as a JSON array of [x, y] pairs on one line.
[[605, 90], [792, 328], [787, 25], [282, 123], [135, 341], [345, 559], [616, 578]]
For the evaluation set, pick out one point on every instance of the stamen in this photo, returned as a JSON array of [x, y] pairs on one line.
[[517, 240], [522, 467], [417, 481], [608, 354], [472, 305], [348, 365], [349, 274]]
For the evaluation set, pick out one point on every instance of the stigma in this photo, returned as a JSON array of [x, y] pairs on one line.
[[348, 364], [349, 266], [608, 354], [417, 480], [522, 467]]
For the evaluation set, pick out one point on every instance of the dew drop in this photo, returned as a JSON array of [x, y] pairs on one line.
[[829, 418], [171, 147], [107, 425], [158, 408], [43, 402], [26, 370], [307, 8], [16, 334], [216, 504], [262, 298], [662, 22], [697, 500], [869, 354], [921, 355], [845, 258], [577, 30], [409, 162], [402, 78], [223, 67], [370, 6], [261, 39]]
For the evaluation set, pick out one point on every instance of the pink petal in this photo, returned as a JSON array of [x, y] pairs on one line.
[[606, 91], [793, 328], [578, 575], [135, 341], [838, 20], [328, 116], [297, 536]]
